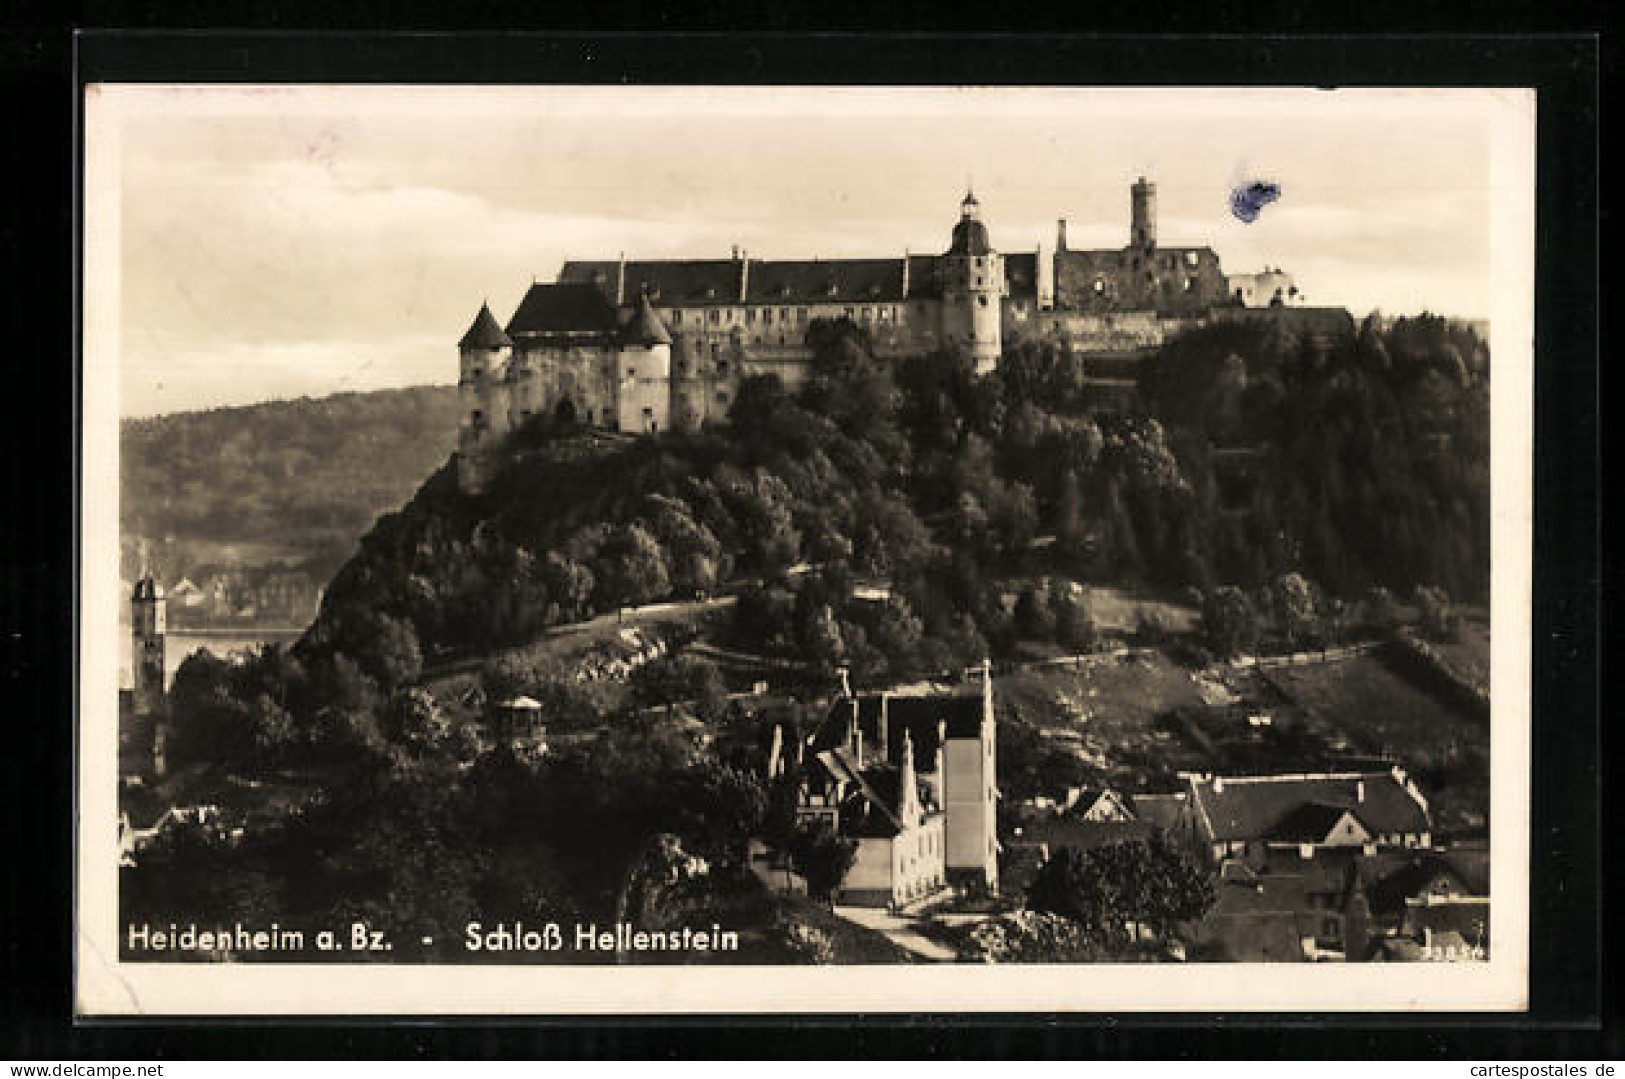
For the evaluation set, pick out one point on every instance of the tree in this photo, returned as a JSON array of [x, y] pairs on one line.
[[1230, 622], [414, 720], [1294, 608], [390, 652], [274, 732], [822, 641], [1435, 617], [1378, 608], [209, 723], [632, 568], [1114, 892], [716, 808], [822, 858], [1074, 629], [674, 679], [569, 586], [1033, 617]]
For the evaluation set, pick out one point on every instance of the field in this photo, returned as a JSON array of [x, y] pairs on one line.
[[1115, 610], [1377, 712], [1113, 703], [1118, 714]]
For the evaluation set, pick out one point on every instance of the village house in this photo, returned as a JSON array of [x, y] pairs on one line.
[[909, 775], [1250, 816]]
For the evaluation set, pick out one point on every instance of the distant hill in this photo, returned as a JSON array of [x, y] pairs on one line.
[[294, 481]]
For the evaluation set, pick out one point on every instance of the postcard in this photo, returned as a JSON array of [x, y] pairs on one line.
[[704, 549]]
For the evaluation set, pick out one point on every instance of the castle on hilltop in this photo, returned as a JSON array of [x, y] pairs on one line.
[[647, 346]]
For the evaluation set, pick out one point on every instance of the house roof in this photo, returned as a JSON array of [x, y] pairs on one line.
[[1472, 866], [1163, 810], [1250, 807], [1411, 879], [1311, 822], [563, 308], [917, 715], [484, 332], [1470, 918], [870, 806]]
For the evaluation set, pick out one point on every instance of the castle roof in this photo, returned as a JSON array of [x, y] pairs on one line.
[[646, 327], [970, 238], [566, 307], [700, 282], [484, 332]]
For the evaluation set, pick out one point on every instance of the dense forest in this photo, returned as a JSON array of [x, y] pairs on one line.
[[1352, 464], [303, 478]]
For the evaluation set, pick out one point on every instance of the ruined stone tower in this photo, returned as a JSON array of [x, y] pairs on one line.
[[1143, 216]]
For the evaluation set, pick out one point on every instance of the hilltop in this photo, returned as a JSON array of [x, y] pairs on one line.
[[282, 482]]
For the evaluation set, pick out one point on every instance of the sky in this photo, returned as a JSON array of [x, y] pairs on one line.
[[285, 241]]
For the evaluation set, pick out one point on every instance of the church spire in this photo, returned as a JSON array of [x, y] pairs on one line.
[[908, 786]]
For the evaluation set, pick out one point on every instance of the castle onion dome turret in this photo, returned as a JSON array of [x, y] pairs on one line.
[[485, 333], [646, 328], [970, 235]]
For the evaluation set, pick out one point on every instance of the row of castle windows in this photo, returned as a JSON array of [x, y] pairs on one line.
[[750, 315], [718, 315], [1150, 279]]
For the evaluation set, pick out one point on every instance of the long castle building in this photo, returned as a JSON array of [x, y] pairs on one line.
[[647, 346]]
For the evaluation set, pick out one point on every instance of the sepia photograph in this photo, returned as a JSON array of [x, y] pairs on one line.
[[565, 549]]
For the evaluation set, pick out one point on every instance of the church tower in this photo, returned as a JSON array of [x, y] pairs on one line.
[[973, 288], [147, 641]]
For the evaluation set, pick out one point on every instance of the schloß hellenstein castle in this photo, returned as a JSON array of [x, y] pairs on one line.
[[647, 346]]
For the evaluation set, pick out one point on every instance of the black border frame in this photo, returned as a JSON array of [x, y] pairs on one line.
[[1574, 1011]]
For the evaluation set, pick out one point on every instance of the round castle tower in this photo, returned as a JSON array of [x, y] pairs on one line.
[[973, 288], [484, 354], [643, 397]]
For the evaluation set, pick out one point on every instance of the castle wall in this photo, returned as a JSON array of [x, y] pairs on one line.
[[1107, 332], [584, 373], [1263, 289], [1165, 279]]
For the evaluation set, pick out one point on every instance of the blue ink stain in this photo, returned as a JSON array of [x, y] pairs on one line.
[[1247, 200]]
